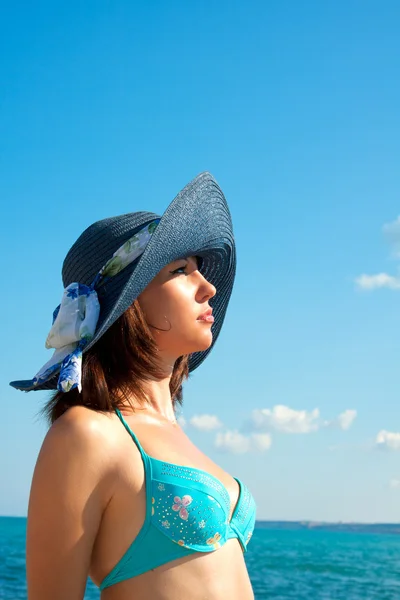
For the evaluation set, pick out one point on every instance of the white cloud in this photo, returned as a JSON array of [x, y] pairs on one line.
[[262, 441], [288, 420], [285, 419], [344, 420], [388, 440], [238, 443], [394, 484], [232, 441], [205, 422], [181, 420], [392, 233], [381, 280]]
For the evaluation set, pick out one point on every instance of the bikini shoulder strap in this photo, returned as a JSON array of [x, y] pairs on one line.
[[129, 430]]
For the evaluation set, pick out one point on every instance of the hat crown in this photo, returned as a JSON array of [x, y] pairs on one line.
[[97, 244]]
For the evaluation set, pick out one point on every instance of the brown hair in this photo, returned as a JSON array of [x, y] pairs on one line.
[[117, 367]]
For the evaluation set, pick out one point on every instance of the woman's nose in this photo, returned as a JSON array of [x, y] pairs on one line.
[[206, 288]]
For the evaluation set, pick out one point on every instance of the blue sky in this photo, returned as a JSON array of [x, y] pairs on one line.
[[109, 108]]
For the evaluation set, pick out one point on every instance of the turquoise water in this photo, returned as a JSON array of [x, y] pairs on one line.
[[282, 564]]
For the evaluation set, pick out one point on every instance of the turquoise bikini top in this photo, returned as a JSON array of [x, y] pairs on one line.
[[187, 511]]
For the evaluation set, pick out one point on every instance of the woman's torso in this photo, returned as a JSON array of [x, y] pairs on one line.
[[215, 575]]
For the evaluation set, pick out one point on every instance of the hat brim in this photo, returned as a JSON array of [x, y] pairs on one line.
[[197, 222]]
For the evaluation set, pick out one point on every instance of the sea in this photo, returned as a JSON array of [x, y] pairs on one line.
[[282, 564]]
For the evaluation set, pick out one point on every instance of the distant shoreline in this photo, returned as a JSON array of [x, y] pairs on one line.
[[349, 527], [392, 528]]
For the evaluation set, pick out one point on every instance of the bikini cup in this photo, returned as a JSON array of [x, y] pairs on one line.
[[187, 511], [199, 494]]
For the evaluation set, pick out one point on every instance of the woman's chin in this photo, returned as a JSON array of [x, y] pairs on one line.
[[204, 343], [198, 343]]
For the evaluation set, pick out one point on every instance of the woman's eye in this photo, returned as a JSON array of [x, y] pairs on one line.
[[180, 270]]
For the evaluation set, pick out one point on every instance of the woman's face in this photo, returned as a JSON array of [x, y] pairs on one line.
[[172, 304]]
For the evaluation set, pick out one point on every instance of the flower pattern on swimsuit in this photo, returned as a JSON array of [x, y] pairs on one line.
[[180, 505], [214, 541], [196, 515]]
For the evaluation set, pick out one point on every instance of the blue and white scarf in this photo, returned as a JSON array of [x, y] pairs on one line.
[[75, 319]]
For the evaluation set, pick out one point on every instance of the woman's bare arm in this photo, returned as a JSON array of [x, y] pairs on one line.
[[71, 486]]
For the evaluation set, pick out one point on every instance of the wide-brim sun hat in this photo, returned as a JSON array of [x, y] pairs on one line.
[[196, 223]]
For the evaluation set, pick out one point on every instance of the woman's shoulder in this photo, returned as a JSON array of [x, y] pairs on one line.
[[82, 418], [83, 424], [94, 436], [84, 434], [82, 444]]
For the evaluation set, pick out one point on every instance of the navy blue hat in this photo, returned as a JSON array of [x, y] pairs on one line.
[[196, 223]]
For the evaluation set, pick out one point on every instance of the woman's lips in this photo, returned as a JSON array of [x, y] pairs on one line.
[[207, 318]]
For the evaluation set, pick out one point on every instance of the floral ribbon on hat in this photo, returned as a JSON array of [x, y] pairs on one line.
[[75, 319]]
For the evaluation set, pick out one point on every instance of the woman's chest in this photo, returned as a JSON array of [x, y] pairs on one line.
[[172, 456], [173, 466]]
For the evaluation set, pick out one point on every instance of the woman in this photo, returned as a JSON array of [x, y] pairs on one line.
[[119, 492]]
